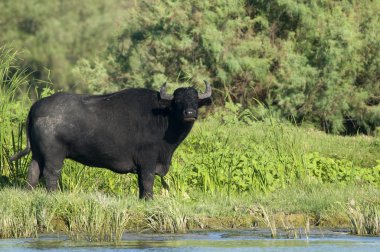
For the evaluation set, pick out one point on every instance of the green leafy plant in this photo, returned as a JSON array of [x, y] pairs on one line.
[[313, 62]]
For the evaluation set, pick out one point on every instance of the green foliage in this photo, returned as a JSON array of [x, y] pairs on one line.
[[12, 81], [230, 159], [77, 178], [340, 171], [312, 61], [93, 76], [56, 34]]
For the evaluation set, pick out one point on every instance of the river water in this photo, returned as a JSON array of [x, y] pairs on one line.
[[252, 240]]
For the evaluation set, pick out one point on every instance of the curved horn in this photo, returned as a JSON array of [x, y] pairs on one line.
[[207, 93], [163, 94]]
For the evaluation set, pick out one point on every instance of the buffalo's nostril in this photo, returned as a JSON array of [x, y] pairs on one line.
[[189, 113]]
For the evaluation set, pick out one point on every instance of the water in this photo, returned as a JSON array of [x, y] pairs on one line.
[[253, 240]]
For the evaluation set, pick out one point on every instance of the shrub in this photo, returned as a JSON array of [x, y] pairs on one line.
[[313, 62]]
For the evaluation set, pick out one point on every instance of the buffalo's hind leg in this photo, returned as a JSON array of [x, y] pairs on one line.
[[53, 155], [51, 173], [33, 174]]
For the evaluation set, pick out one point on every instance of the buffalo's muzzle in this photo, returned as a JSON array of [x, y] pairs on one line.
[[189, 115]]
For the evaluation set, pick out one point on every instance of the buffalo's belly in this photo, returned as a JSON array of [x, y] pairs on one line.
[[119, 164]]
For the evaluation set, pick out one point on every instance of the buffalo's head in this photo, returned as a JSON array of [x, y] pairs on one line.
[[186, 101]]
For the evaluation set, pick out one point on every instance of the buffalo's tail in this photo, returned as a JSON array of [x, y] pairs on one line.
[[22, 153], [25, 151]]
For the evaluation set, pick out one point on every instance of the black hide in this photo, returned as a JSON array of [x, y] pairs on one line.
[[130, 131]]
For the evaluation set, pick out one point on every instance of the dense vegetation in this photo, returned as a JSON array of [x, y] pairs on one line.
[[315, 61], [53, 35]]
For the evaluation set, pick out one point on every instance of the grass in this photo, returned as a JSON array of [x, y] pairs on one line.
[[267, 156], [101, 217], [365, 217], [12, 81]]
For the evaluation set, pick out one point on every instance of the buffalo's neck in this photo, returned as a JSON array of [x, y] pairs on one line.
[[177, 132]]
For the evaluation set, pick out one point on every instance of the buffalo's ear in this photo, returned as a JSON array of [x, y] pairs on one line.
[[204, 102]]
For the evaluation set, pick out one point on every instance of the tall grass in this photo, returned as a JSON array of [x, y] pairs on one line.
[[168, 216], [13, 81], [263, 157], [94, 217], [100, 217], [364, 217]]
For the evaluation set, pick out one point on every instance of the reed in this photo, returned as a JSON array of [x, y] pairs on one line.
[[94, 217], [265, 216], [13, 81], [167, 217], [18, 217], [100, 217], [364, 217]]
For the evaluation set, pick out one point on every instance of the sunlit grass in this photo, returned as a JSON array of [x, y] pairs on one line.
[[101, 217]]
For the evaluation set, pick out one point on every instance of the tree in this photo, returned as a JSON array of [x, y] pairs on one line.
[[314, 61], [52, 36]]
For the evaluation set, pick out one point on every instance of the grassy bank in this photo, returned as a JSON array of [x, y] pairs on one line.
[[100, 217]]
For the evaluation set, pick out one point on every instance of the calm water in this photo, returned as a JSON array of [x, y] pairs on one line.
[[257, 240]]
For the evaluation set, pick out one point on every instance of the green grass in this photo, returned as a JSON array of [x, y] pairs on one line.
[[101, 217], [265, 156]]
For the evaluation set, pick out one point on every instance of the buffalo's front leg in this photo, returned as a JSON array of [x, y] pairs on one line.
[[146, 181]]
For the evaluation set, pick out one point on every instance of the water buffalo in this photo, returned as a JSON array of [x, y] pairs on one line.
[[131, 131]]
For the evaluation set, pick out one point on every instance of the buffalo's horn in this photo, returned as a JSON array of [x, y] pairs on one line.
[[207, 93], [163, 94]]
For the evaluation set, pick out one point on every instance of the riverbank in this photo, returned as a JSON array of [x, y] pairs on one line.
[[101, 217]]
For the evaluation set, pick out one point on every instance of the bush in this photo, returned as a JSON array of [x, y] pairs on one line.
[[54, 35], [313, 62]]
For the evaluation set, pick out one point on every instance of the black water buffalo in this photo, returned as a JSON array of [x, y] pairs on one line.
[[130, 131]]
